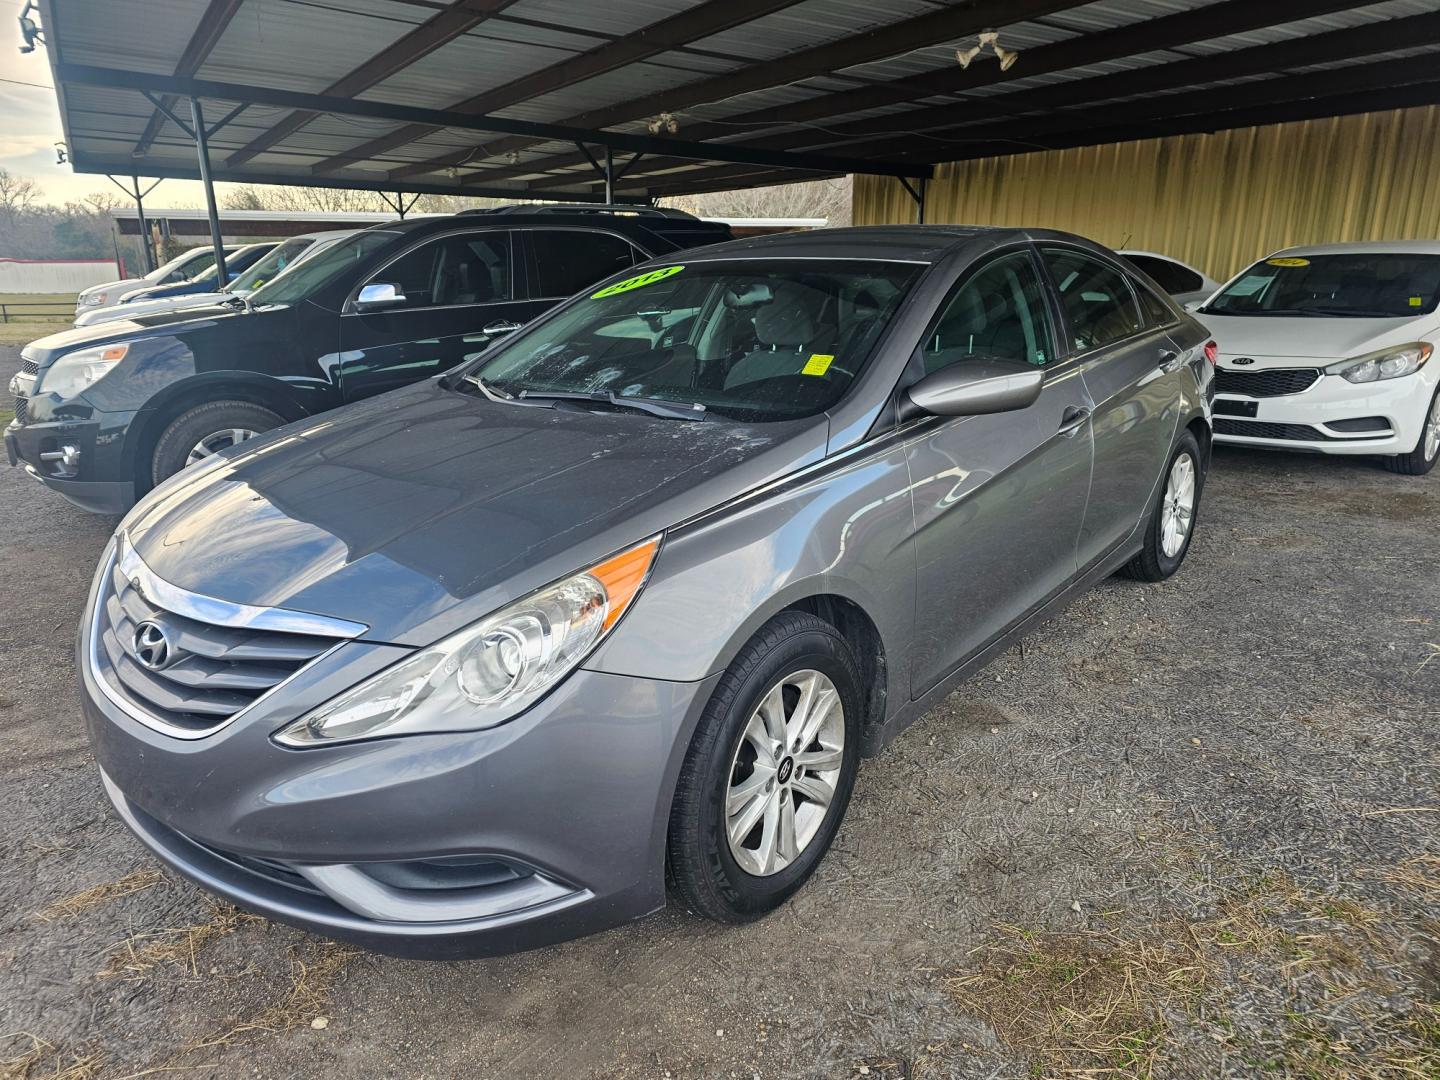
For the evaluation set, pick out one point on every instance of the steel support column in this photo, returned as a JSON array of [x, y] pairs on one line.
[[609, 177], [917, 192], [202, 149]]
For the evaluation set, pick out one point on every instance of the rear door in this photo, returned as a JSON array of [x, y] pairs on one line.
[[1127, 360], [999, 499], [455, 286]]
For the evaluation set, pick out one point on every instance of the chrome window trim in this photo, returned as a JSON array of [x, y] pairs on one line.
[[130, 708]]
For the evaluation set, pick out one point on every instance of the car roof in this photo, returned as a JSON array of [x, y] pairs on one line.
[[901, 243], [1367, 247], [616, 222]]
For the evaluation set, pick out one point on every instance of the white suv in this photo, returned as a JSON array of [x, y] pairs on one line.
[[1328, 349]]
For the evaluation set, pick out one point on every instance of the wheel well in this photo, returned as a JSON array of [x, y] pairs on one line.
[[187, 397], [861, 634], [1201, 430]]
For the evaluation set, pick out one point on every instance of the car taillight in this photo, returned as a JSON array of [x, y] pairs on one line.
[[1212, 352]]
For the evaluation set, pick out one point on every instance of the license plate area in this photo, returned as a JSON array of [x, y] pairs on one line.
[[1229, 407]]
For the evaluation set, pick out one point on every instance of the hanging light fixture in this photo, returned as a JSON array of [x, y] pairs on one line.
[[989, 39]]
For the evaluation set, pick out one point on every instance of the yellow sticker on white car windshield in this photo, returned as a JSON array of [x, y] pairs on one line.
[[818, 364], [1417, 301], [637, 282], [1287, 262]]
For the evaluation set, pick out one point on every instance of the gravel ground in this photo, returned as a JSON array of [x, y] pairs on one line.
[[1187, 830]]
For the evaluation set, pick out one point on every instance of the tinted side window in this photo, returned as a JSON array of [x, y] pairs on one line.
[[462, 269], [566, 261], [1097, 298], [998, 314], [1152, 307], [1170, 276]]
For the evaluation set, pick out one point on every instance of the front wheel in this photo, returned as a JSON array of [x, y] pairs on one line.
[[198, 433], [1427, 448], [769, 772], [1172, 521]]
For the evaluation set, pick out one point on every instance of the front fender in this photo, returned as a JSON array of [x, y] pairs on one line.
[[843, 528]]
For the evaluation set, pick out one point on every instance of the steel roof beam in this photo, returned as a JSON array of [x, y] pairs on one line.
[[693, 24], [1006, 111], [459, 18], [203, 39], [85, 75], [877, 43], [1214, 21]]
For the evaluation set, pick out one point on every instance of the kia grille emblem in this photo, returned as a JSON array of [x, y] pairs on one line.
[[152, 646], [1242, 360]]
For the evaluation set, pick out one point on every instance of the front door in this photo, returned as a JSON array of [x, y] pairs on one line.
[[999, 499], [1124, 352], [453, 287]]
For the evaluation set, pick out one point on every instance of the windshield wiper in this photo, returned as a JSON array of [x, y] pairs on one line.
[[670, 410]]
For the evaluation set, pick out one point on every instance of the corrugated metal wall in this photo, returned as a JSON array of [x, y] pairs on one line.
[[1217, 201]]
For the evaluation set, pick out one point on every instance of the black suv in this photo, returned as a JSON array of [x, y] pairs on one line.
[[103, 413]]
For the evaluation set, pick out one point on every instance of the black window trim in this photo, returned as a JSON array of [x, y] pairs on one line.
[[348, 310], [1074, 355], [531, 262]]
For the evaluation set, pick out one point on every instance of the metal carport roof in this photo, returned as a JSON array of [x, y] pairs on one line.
[[491, 97]]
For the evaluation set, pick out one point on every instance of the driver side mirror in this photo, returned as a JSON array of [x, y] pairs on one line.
[[1194, 305], [378, 295], [975, 386]]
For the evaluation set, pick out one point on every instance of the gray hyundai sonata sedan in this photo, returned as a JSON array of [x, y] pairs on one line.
[[480, 664]]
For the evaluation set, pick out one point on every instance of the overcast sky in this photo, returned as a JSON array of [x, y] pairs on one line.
[[30, 128]]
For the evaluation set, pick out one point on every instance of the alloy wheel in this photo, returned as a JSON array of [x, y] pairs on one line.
[[217, 441], [784, 772], [1178, 508]]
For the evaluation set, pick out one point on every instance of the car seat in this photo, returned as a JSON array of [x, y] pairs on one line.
[[787, 333]]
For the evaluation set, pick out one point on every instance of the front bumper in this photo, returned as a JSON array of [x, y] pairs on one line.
[[1394, 409], [576, 792]]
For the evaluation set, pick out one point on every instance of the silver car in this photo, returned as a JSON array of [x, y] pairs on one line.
[[477, 665]]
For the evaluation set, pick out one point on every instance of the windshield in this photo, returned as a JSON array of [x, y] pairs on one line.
[[192, 262], [1356, 285], [318, 270], [751, 341], [276, 260]]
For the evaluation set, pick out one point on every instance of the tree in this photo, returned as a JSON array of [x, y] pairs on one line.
[[18, 195], [829, 199]]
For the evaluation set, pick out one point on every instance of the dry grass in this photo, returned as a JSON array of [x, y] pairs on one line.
[[71, 906], [42, 1061], [1112, 1003], [139, 955]]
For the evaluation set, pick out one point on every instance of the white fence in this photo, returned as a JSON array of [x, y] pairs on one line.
[[54, 275]]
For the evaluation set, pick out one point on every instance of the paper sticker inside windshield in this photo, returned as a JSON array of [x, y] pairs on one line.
[[818, 364], [637, 282], [1287, 262], [1417, 301]]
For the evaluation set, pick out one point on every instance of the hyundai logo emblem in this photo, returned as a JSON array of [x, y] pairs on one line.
[[1242, 360], [152, 645]]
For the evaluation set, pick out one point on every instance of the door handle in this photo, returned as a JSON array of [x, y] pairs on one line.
[[1073, 419], [495, 329], [1170, 361]]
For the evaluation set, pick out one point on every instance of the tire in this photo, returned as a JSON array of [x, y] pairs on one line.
[[184, 433], [1420, 460], [701, 864], [1154, 563]]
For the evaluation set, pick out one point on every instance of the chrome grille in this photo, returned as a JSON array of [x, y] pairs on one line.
[[29, 367], [1277, 382], [21, 410], [208, 671]]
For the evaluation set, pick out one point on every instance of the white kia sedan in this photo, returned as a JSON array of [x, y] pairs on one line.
[[1328, 349]]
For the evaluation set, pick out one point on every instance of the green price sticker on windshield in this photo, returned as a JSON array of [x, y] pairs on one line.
[[637, 282]]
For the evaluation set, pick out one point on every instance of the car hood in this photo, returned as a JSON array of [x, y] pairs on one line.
[[136, 308], [124, 329], [420, 511], [1309, 338], [123, 285]]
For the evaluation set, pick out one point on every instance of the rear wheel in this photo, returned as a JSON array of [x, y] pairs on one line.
[[1427, 448], [1172, 521], [204, 431], [769, 772]]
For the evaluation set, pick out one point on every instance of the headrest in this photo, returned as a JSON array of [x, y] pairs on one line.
[[789, 319]]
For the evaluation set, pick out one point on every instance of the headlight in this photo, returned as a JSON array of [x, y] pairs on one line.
[[95, 299], [1385, 364], [75, 371], [488, 672]]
